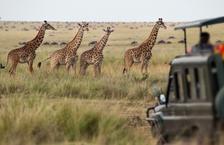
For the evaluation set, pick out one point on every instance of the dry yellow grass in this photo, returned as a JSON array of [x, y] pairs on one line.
[[112, 86]]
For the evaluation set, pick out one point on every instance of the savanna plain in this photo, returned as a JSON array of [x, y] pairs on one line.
[[61, 108]]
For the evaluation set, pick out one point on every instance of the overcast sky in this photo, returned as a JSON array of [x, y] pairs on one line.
[[110, 10]]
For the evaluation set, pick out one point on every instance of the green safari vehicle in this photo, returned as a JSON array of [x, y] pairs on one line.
[[194, 101]]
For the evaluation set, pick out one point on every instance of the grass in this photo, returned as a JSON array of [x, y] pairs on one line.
[[38, 121], [60, 108], [112, 84]]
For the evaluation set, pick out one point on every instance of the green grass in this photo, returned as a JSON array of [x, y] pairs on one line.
[[60, 84], [38, 121]]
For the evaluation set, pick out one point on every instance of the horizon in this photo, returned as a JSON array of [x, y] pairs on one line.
[[110, 11]]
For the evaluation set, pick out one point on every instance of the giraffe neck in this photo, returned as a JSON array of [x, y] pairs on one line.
[[102, 43], [151, 40], [36, 42], [76, 42]]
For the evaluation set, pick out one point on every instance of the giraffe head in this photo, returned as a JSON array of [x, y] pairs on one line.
[[48, 26], [160, 23], [108, 30], [84, 26]]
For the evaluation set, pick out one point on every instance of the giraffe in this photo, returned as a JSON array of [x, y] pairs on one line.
[[94, 56], [143, 53], [68, 55], [26, 53]]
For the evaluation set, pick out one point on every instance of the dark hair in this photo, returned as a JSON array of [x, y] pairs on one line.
[[204, 37]]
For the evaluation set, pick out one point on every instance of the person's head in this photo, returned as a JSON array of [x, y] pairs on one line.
[[204, 38]]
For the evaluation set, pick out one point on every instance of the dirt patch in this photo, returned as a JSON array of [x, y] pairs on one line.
[[54, 43], [25, 29], [161, 42], [46, 43], [63, 43], [171, 37], [181, 41], [92, 43], [134, 43]]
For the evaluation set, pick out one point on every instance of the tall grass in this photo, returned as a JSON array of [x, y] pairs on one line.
[[61, 84], [38, 121], [28, 116], [111, 85]]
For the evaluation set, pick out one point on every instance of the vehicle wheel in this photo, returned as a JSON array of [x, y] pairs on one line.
[[190, 132], [155, 129], [161, 141], [219, 103]]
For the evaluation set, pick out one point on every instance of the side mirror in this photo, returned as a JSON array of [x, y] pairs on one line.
[[162, 99]]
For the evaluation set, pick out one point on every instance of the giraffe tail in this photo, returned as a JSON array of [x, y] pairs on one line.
[[124, 70], [39, 63], [2, 66]]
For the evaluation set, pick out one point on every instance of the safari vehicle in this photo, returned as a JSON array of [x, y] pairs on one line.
[[189, 107]]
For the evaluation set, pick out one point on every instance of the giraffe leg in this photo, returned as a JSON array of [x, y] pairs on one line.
[[142, 67], [13, 68], [97, 70], [74, 67], [128, 63], [71, 68], [83, 68], [54, 65], [146, 67], [75, 64], [68, 67], [129, 66], [99, 67], [30, 63]]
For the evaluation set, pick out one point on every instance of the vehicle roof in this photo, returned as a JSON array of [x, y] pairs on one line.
[[191, 59], [200, 23]]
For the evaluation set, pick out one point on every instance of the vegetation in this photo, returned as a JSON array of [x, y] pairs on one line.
[[60, 108], [37, 121]]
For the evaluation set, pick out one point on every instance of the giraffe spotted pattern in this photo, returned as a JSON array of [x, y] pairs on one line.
[[27, 54], [68, 55], [143, 53], [94, 56]]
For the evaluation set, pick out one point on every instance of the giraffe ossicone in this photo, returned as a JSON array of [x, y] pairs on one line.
[[68, 55], [94, 56], [143, 53], [26, 53]]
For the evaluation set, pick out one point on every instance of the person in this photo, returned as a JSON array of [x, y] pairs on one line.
[[204, 45], [219, 49]]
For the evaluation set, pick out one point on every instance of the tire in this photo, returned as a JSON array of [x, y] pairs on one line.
[[219, 101]]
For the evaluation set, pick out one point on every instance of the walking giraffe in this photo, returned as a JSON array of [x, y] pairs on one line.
[[143, 53], [68, 55], [94, 56], [27, 54]]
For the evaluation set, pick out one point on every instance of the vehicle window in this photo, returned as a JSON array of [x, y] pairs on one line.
[[195, 84], [176, 88], [188, 83], [215, 77], [172, 94], [202, 76]]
